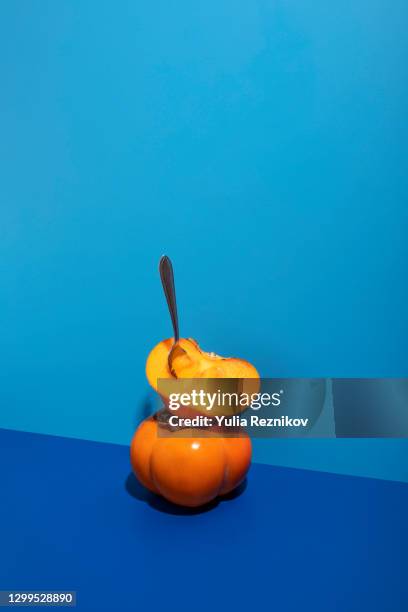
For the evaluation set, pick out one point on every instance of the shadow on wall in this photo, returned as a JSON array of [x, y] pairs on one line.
[[146, 408]]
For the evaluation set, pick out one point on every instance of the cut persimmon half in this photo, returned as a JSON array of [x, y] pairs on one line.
[[187, 362]]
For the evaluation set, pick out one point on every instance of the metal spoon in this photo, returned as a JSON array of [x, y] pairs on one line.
[[167, 279]]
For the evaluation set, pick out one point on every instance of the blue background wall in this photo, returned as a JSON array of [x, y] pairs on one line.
[[261, 144]]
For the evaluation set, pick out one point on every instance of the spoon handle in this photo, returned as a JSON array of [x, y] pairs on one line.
[[167, 279]]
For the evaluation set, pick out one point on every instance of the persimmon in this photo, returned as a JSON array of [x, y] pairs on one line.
[[188, 360], [189, 468], [192, 466]]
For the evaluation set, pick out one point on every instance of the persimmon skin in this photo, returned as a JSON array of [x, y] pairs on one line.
[[188, 471], [239, 453], [141, 450]]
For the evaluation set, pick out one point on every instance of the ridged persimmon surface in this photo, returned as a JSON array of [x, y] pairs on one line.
[[189, 469]]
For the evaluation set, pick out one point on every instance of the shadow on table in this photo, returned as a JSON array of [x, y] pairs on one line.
[[136, 490]]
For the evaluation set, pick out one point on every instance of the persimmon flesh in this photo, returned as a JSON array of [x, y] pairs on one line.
[[188, 360]]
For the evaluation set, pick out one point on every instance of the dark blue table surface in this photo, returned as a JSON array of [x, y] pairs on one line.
[[73, 518]]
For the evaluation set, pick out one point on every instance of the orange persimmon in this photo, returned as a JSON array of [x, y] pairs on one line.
[[187, 363], [188, 468], [188, 360]]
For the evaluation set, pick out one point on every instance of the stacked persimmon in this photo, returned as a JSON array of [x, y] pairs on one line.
[[190, 467], [193, 466]]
